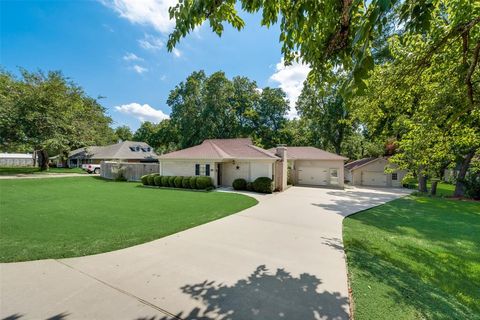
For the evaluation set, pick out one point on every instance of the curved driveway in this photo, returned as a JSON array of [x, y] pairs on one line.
[[281, 259]]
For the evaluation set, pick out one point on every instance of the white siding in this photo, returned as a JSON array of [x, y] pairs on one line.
[[373, 174], [319, 167], [260, 169], [185, 168], [232, 171]]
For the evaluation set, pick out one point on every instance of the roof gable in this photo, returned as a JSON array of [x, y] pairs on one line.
[[219, 149]]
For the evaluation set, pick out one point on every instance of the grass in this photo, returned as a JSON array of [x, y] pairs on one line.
[[7, 171], [444, 189], [69, 217], [415, 258]]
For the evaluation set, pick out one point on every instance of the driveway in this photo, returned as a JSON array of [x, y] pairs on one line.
[[281, 259]]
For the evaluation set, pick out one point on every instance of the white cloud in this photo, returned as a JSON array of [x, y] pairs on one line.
[[150, 42], [142, 112], [290, 79], [153, 13], [177, 53], [131, 57], [139, 69]]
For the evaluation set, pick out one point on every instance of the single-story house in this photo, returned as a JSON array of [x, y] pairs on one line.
[[228, 159], [16, 160], [313, 166], [371, 172], [126, 151]]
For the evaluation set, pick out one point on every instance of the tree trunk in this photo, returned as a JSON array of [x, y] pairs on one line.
[[42, 159], [422, 182], [459, 185], [433, 188]]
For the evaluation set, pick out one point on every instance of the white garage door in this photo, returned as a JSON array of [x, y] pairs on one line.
[[313, 176], [374, 178]]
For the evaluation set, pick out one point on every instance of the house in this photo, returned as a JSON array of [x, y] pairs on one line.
[[16, 160], [313, 166], [228, 159], [371, 172], [127, 151]]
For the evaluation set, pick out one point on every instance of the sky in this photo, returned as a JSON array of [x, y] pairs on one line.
[[116, 49]]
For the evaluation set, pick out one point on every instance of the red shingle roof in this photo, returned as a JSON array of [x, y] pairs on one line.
[[242, 148], [357, 163]]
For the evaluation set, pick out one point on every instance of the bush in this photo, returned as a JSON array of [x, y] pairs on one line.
[[164, 181], [178, 182], [158, 181], [249, 186], [472, 186], [171, 182], [186, 182], [193, 182], [151, 178], [144, 179], [239, 184], [204, 182], [263, 185]]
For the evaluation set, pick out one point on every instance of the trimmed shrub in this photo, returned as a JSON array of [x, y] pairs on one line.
[[263, 185], [151, 178], [249, 186], [186, 182], [204, 182], [165, 181], [193, 182], [239, 184], [144, 179], [178, 182], [171, 181], [158, 181]]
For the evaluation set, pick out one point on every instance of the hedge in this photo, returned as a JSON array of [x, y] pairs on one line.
[[263, 185], [249, 186], [178, 182], [239, 184], [196, 182], [158, 181], [171, 181], [193, 182], [204, 182], [186, 183], [165, 181], [151, 178]]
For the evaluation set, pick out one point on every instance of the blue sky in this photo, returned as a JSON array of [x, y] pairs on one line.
[[116, 49]]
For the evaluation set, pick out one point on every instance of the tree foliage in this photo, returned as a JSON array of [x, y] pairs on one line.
[[123, 133], [48, 113]]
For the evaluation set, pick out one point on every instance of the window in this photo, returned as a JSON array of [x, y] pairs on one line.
[[197, 169], [394, 176], [202, 169], [207, 170]]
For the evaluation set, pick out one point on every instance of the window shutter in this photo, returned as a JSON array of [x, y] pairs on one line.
[[207, 170], [197, 169]]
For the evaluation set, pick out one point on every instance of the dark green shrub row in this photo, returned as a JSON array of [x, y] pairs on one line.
[[262, 185], [200, 182]]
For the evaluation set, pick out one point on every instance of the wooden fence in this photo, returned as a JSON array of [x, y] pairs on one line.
[[131, 171]]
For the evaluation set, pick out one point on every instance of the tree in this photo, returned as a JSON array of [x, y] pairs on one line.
[[123, 133], [49, 114], [147, 133], [327, 115], [332, 34]]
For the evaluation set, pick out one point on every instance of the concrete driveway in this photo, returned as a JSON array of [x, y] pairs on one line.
[[282, 259]]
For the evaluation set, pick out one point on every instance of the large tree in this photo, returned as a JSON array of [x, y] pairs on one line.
[[48, 113], [347, 34], [123, 133]]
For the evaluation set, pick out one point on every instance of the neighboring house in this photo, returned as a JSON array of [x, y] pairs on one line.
[[371, 172], [313, 166], [126, 151], [16, 160], [228, 159]]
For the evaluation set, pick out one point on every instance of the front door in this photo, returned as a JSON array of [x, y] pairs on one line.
[[219, 174]]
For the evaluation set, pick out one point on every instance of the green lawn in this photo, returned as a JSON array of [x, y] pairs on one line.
[[68, 217], [5, 171], [415, 258]]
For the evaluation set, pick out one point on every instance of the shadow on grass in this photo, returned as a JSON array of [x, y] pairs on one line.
[[263, 295], [425, 250]]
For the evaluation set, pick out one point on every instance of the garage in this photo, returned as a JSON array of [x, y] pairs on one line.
[[313, 176], [309, 166], [374, 178]]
